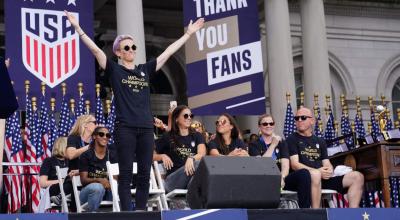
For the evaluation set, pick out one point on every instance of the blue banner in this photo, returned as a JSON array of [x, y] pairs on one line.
[[43, 46], [205, 214], [363, 214], [52, 216], [224, 58]]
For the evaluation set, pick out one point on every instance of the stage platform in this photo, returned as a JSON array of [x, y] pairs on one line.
[[223, 214]]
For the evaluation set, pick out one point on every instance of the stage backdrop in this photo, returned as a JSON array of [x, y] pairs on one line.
[[224, 59], [43, 46]]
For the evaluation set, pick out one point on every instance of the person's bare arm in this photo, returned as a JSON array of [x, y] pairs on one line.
[[171, 49], [72, 153], [96, 51], [44, 182]]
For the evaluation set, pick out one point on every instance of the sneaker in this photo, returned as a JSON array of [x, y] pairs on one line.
[[56, 199]]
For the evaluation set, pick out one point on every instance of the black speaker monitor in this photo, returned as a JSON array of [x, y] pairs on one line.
[[235, 182]]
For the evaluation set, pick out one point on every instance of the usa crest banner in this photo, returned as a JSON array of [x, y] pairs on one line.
[[44, 47], [224, 59]]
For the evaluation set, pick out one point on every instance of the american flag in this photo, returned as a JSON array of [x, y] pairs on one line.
[[99, 111], [317, 130], [394, 191], [53, 129], [30, 151], [346, 129], [389, 123], [15, 154], [359, 125], [290, 126], [65, 122], [330, 133], [80, 110], [375, 127], [111, 121], [40, 154], [44, 128]]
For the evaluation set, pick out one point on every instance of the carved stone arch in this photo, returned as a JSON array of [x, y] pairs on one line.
[[388, 77]]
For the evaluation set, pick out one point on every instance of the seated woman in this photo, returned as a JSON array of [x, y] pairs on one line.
[[93, 170], [180, 150], [199, 127], [227, 140], [79, 139], [271, 145], [48, 174]]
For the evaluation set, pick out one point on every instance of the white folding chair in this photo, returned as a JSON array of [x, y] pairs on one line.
[[326, 194], [156, 194], [113, 170], [76, 182], [62, 173], [160, 170]]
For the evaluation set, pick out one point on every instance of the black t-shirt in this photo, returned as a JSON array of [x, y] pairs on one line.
[[48, 167], [179, 151], [259, 147], [235, 143], [311, 150], [77, 142], [132, 93], [96, 167]]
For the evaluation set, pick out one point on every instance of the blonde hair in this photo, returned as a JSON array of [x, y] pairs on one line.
[[59, 147], [78, 127]]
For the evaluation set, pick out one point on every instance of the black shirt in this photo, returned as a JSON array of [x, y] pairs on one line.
[[235, 143], [96, 167], [76, 142], [259, 147], [48, 167], [311, 150], [179, 151], [132, 93]]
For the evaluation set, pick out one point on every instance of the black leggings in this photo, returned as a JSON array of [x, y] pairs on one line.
[[55, 190], [300, 181], [133, 142]]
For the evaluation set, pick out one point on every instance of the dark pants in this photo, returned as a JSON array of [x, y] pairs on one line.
[[133, 142], [300, 181]]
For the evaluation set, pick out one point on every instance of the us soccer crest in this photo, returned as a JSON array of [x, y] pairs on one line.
[[50, 45]]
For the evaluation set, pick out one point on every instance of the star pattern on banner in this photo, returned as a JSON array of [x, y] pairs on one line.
[[71, 2], [52, 1], [365, 216]]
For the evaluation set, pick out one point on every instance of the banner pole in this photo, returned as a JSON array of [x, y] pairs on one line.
[[2, 137]]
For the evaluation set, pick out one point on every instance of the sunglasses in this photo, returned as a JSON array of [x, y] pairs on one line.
[[102, 134], [186, 116], [126, 48], [220, 123], [94, 122], [301, 117], [195, 125], [265, 124]]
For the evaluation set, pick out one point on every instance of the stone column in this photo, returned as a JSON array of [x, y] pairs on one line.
[[280, 59], [315, 51], [130, 21]]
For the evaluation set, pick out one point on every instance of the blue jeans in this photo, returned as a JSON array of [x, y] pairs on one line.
[[93, 194], [179, 179], [133, 142]]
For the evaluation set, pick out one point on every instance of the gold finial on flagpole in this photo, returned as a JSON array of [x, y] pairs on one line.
[[383, 97], [108, 106], [97, 90], [358, 100], [27, 86], [34, 107], [87, 106], [369, 127], [397, 124], [53, 104], [342, 100], [316, 97], [316, 112], [336, 123], [345, 110], [43, 88], [288, 97], [64, 88], [80, 89], [320, 126], [301, 98], [328, 100], [72, 105], [352, 126], [370, 102]]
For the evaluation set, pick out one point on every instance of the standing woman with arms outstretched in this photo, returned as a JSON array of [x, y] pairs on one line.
[[134, 121]]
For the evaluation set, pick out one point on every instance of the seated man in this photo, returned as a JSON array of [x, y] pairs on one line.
[[93, 170], [308, 151], [270, 145]]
